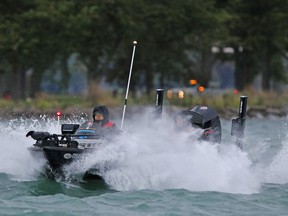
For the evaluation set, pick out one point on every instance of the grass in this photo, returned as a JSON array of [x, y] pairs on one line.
[[44, 102], [231, 100]]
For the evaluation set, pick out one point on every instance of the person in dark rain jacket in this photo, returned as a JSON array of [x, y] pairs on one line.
[[99, 124]]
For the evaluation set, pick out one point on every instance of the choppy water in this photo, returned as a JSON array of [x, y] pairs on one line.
[[155, 172]]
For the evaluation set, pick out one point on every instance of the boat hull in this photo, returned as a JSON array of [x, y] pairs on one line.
[[57, 157], [60, 156]]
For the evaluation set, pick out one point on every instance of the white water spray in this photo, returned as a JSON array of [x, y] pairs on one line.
[[153, 157], [15, 159], [156, 157]]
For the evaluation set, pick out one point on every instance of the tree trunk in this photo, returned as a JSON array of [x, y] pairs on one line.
[[266, 72], [239, 75], [245, 68], [19, 84], [162, 80], [250, 67], [149, 81], [206, 67], [35, 83]]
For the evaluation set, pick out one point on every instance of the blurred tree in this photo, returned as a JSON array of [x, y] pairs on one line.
[[13, 46], [33, 35], [174, 39], [257, 28], [273, 30], [170, 33]]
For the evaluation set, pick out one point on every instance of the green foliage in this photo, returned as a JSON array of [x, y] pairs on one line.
[[174, 39], [230, 100], [6, 103], [258, 28], [52, 103]]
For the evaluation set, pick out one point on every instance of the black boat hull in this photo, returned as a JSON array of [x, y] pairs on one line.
[[59, 156]]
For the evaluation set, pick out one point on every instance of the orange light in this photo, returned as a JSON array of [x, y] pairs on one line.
[[201, 89], [58, 114], [193, 82]]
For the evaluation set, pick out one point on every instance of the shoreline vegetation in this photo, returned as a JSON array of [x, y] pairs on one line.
[[260, 105]]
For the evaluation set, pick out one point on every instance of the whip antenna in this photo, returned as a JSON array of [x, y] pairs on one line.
[[128, 84]]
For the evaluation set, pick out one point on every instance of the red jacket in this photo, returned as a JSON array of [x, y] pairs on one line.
[[109, 125]]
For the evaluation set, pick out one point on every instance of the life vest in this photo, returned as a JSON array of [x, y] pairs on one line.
[[109, 125]]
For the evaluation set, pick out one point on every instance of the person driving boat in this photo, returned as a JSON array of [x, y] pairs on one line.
[[201, 117]]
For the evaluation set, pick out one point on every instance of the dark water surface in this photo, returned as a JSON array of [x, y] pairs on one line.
[[154, 172]]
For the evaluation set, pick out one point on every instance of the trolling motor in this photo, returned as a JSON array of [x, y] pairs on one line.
[[38, 135], [238, 124], [66, 129]]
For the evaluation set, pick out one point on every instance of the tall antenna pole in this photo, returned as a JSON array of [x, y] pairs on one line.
[[128, 84]]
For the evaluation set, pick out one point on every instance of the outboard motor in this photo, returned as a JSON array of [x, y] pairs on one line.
[[207, 119]]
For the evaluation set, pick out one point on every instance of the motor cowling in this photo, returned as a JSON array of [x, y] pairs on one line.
[[207, 119]]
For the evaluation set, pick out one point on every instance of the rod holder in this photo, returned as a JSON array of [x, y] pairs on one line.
[[159, 102], [238, 124]]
